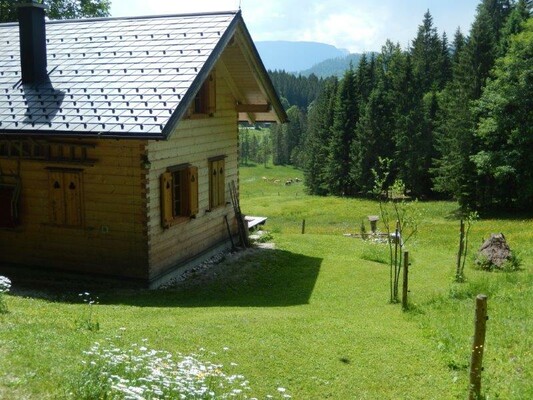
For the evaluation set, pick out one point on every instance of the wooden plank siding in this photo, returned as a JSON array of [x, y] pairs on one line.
[[112, 235], [193, 142]]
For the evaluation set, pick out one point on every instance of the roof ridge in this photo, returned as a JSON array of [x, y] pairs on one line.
[[136, 17]]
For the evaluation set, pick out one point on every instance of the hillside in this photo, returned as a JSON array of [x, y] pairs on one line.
[[333, 66]]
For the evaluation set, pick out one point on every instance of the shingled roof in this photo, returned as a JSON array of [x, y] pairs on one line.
[[118, 77]]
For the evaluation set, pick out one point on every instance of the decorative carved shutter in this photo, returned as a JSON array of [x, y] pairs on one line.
[[213, 184], [192, 179], [56, 200], [166, 199], [221, 184], [72, 196]]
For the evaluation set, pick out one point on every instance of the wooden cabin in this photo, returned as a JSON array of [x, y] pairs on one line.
[[119, 137]]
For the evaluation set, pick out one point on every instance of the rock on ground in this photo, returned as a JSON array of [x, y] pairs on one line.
[[495, 250]]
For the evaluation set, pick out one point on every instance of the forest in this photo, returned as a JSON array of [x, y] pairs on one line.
[[446, 118]]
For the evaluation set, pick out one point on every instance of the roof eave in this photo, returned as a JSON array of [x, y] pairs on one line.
[[264, 76], [82, 135], [189, 96]]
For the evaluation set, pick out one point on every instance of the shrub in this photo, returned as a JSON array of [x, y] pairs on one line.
[[510, 265], [5, 285]]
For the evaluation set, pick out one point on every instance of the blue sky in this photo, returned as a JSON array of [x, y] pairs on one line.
[[356, 25]]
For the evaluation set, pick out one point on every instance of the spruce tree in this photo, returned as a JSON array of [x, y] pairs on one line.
[[316, 150], [346, 115], [454, 170], [412, 143], [427, 53], [504, 160]]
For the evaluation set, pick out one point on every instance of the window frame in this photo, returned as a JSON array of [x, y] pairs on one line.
[[182, 177], [204, 103]]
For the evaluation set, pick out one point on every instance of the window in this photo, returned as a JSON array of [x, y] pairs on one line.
[[217, 185], [179, 194], [10, 187], [205, 100], [65, 197]]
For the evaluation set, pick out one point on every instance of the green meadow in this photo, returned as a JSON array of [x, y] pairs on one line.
[[311, 316]]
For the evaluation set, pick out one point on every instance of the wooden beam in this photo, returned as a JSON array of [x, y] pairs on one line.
[[253, 108], [260, 75], [232, 86]]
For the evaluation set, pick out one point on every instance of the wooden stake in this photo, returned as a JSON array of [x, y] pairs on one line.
[[229, 233], [458, 272], [303, 226], [405, 287], [478, 345], [396, 262]]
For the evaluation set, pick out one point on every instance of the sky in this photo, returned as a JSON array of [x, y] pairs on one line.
[[354, 25]]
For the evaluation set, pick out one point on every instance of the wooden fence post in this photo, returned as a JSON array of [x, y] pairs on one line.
[[405, 287], [303, 226], [476, 364], [458, 272]]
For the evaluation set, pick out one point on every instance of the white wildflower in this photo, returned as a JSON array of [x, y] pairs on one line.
[[5, 284]]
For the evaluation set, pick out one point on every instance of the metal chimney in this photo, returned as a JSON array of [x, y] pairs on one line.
[[32, 32]]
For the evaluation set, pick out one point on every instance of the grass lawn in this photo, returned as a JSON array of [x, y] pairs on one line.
[[311, 316]]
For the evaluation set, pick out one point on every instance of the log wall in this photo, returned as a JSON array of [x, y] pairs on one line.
[[112, 236], [194, 141]]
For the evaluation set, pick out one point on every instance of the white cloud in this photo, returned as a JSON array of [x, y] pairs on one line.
[[357, 25], [349, 31]]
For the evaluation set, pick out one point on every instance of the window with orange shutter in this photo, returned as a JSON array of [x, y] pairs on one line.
[[179, 194]]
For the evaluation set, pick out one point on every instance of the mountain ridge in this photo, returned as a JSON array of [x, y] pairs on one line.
[[305, 57], [295, 56]]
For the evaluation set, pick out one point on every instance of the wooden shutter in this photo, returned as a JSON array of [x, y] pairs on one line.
[[221, 184], [72, 196], [192, 179], [166, 199], [211, 94], [213, 189], [56, 199]]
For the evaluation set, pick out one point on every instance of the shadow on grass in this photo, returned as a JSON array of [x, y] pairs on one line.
[[260, 278], [254, 278]]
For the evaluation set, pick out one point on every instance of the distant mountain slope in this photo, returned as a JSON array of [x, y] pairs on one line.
[[295, 56], [333, 66]]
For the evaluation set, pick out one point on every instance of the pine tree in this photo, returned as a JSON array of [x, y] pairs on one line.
[[60, 9], [445, 61], [346, 115], [295, 134], [518, 16], [454, 170], [427, 53], [504, 161], [365, 77], [279, 144], [316, 150], [459, 42], [412, 143]]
